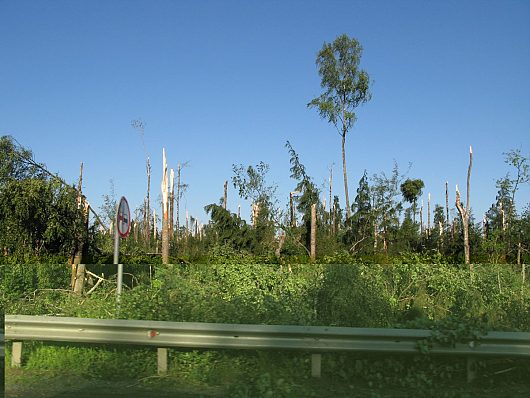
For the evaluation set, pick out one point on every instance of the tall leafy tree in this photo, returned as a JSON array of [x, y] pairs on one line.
[[345, 85]]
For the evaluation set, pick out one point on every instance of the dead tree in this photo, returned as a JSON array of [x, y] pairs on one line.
[[225, 197], [464, 212], [429, 215], [447, 206], [171, 202], [178, 201], [421, 219], [77, 250], [330, 198], [139, 126], [291, 208], [79, 281], [180, 190], [165, 229], [313, 232], [148, 204]]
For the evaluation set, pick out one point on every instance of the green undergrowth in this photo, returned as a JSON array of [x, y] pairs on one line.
[[283, 374], [456, 304]]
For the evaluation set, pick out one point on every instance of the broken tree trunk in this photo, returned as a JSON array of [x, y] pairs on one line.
[[464, 212], [330, 198], [148, 204], [77, 250], [281, 241], [171, 202], [429, 215], [421, 219], [178, 201], [447, 205], [165, 229], [225, 197], [313, 232], [79, 279]]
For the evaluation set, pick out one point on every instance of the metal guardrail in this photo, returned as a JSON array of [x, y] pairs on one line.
[[315, 339]]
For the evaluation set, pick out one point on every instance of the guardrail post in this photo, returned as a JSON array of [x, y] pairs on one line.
[[162, 360], [471, 369], [16, 354], [316, 362]]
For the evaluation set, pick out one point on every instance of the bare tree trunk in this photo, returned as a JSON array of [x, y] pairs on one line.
[[79, 279], [178, 200], [503, 215], [171, 224], [148, 206], [165, 227], [225, 198], [255, 213], [77, 250], [348, 210], [187, 224], [375, 236], [281, 241], [464, 213], [333, 220], [145, 230], [447, 204], [155, 232], [330, 198], [385, 244], [421, 219], [429, 215], [313, 232], [291, 208], [238, 211]]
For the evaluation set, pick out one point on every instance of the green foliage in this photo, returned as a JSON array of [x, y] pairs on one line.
[[38, 214], [228, 229], [309, 194], [345, 85], [359, 235], [457, 305], [98, 362]]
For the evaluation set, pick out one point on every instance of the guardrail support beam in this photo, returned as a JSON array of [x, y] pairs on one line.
[[316, 365], [162, 360], [16, 354], [471, 369]]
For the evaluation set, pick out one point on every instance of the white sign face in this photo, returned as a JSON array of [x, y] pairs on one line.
[[123, 218]]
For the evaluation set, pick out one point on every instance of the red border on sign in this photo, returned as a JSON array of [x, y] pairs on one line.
[[125, 234]]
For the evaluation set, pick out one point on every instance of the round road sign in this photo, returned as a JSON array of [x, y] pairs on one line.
[[123, 218]]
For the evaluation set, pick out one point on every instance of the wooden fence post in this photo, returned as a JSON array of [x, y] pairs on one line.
[[16, 354], [316, 365], [162, 360]]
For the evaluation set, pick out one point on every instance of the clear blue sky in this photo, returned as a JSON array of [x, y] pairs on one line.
[[224, 82]]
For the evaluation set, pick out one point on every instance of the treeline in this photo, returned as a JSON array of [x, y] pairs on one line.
[[43, 216]]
